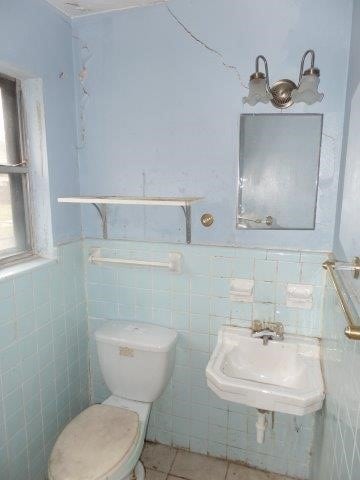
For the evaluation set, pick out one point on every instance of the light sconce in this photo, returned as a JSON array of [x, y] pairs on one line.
[[285, 93]]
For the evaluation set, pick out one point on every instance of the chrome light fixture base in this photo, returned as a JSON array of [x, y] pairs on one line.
[[281, 92], [285, 92], [257, 75]]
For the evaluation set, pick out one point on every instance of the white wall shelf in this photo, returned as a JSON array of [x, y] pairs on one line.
[[101, 203]]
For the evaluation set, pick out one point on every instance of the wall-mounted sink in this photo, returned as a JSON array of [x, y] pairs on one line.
[[280, 376]]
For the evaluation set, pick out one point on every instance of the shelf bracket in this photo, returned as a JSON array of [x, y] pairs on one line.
[[187, 212], [102, 211]]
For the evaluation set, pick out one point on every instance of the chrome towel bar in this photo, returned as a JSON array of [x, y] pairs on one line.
[[350, 267], [352, 330], [174, 263]]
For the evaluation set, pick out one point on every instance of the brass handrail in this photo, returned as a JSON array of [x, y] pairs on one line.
[[352, 331]]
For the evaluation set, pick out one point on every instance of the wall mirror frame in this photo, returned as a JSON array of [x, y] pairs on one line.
[[278, 175]]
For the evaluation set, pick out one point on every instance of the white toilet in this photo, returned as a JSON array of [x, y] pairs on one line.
[[104, 442]]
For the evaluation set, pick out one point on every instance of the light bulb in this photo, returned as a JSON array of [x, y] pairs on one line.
[[307, 91], [257, 92]]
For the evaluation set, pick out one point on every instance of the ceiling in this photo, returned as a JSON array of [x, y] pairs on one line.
[[76, 8]]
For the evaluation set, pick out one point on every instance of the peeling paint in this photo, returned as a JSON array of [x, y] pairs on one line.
[[78, 8], [233, 68], [144, 207], [38, 172], [329, 148], [85, 57], [298, 428], [40, 130], [143, 183]]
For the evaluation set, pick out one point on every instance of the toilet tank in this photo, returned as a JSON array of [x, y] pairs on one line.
[[136, 359]]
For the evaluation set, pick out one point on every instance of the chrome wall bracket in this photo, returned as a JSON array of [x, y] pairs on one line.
[[103, 213], [356, 265], [281, 92], [187, 212], [350, 267]]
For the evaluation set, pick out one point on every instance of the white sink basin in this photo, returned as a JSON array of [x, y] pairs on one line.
[[280, 376]]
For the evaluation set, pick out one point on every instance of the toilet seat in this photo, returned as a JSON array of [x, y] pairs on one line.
[[94, 443]]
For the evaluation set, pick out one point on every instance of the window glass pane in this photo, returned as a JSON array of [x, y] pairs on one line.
[[12, 215], [7, 237], [14, 232], [9, 124]]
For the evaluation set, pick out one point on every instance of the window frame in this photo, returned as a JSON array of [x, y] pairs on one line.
[[22, 168]]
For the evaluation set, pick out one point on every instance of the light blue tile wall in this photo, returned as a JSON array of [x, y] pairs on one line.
[[43, 361], [336, 452], [337, 441], [197, 303]]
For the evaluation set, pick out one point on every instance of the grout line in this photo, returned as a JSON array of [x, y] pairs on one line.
[[172, 463], [174, 476], [227, 469]]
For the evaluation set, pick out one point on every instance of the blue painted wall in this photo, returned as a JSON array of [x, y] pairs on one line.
[[36, 40], [162, 112], [347, 234]]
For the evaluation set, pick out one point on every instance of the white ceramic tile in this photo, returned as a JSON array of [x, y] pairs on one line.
[[158, 457], [154, 475], [197, 467], [240, 472]]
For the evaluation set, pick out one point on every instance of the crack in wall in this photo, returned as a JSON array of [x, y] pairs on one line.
[[77, 7], [85, 57], [328, 149], [233, 68], [329, 136]]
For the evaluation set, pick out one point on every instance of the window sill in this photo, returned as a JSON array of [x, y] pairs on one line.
[[25, 266]]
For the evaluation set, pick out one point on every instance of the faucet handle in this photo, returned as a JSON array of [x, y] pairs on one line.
[[257, 325], [277, 328]]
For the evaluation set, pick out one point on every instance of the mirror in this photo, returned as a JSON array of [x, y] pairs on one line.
[[278, 171]]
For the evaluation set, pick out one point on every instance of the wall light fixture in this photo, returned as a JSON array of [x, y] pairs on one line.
[[285, 93]]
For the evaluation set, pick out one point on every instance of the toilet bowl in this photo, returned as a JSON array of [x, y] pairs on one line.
[[105, 441]]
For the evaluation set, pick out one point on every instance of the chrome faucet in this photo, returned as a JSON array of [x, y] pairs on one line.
[[267, 331]]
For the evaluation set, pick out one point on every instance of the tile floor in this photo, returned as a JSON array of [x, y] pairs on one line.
[[165, 463]]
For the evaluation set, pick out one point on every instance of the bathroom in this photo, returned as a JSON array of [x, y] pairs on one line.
[[153, 180]]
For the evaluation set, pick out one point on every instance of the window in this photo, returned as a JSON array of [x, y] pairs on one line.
[[15, 238]]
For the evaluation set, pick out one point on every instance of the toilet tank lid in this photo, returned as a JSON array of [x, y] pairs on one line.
[[140, 336]]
